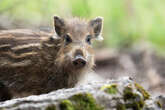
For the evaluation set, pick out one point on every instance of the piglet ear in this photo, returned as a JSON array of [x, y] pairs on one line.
[[96, 25], [59, 25]]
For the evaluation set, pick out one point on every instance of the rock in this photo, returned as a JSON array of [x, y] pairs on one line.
[[119, 94]]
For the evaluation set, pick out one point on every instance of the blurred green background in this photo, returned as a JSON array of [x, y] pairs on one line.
[[126, 22]]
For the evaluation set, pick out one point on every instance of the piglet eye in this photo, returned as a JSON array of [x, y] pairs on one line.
[[88, 39], [67, 39]]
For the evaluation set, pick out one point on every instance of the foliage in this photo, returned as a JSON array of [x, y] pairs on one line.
[[126, 22]]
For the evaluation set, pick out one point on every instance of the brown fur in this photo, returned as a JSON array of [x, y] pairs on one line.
[[28, 69]]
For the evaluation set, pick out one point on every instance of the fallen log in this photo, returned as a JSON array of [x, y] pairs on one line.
[[119, 94]]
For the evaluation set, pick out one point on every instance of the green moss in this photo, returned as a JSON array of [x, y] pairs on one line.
[[134, 105], [135, 100], [111, 89], [120, 106], [145, 94], [51, 107], [66, 105], [85, 102], [80, 102], [128, 93], [159, 104]]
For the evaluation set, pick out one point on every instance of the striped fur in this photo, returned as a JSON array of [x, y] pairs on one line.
[[24, 55], [17, 47]]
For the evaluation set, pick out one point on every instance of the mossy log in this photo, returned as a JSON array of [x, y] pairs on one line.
[[119, 94]]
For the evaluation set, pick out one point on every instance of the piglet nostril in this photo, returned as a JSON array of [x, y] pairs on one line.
[[83, 62], [79, 62], [75, 63]]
